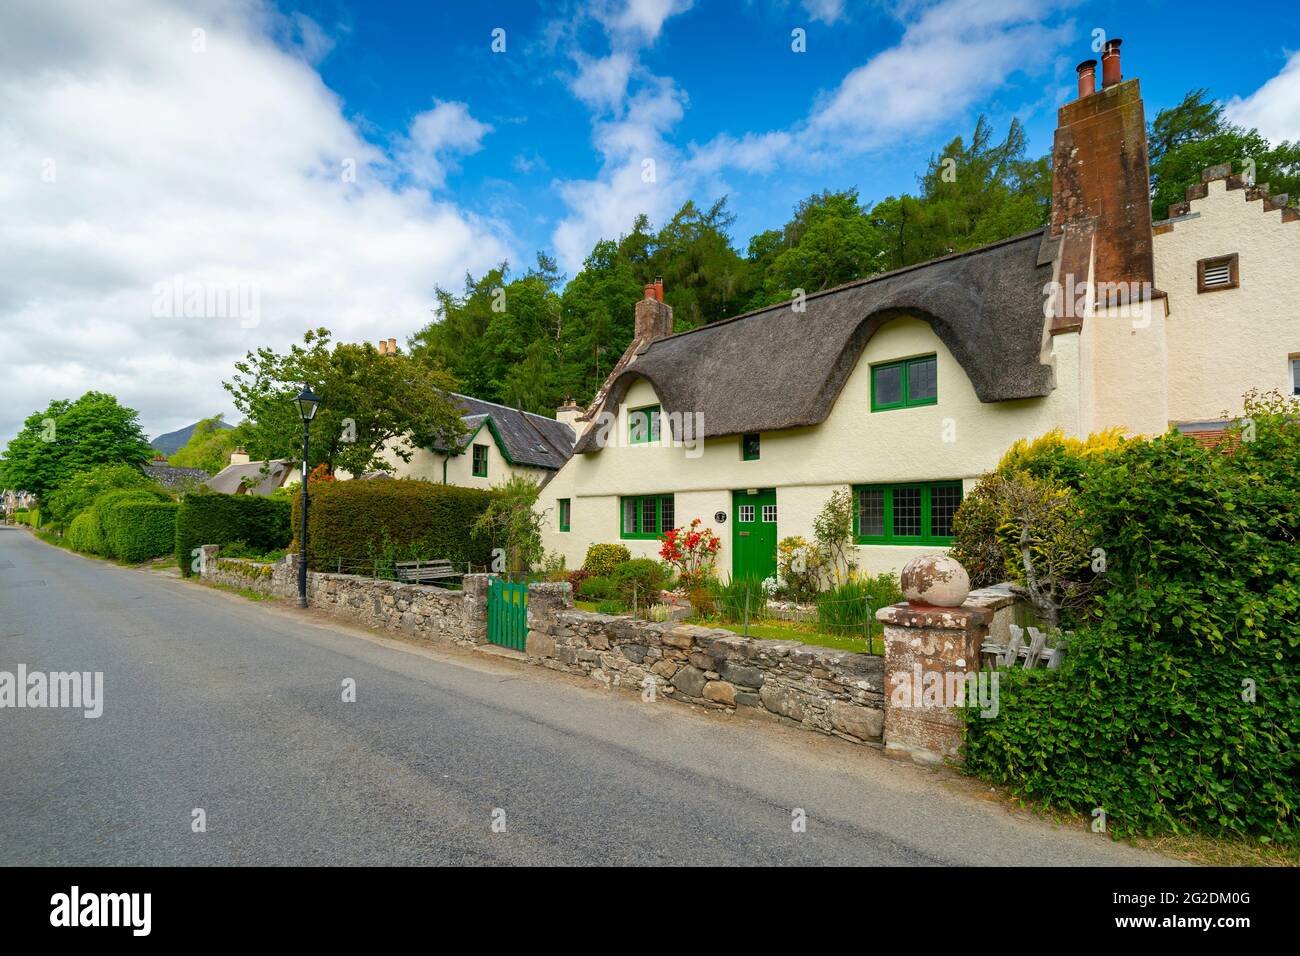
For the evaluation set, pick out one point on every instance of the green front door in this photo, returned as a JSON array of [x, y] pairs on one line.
[[753, 534]]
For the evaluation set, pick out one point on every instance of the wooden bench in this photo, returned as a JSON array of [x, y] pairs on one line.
[[424, 572]]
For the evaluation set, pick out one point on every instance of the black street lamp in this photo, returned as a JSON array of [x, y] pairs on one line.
[[307, 403]]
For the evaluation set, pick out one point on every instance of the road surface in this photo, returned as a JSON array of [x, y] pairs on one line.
[[216, 703]]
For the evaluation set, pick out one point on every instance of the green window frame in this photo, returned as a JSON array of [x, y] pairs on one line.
[[915, 513], [643, 425], [750, 446], [919, 375], [645, 517], [480, 461], [566, 512]]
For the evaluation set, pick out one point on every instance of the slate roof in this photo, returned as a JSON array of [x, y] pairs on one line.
[[170, 477], [531, 440], [777, 368], [229, 479]]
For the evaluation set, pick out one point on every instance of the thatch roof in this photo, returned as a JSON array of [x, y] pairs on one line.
[[777, 368], [248, 476]]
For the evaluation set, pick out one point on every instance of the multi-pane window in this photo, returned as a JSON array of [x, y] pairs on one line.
[[480, 461], [566, 513], [643, 425], [749, 447], [906, 514], [746, 513], [769, 514], [646, 516], [905, 384]]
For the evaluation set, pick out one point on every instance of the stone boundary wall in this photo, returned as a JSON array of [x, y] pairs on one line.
[[821, 689], [833, 692], [419, 610]]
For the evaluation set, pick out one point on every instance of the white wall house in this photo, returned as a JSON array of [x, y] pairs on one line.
[[499, 442], [907, 386]]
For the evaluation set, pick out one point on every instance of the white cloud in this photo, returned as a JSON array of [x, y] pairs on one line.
[[435, 134], [227, 167], [952, 54], [827, 11], [601, 82], [644, 18], [1274, 108]]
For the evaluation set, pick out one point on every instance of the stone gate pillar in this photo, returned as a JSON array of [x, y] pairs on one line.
[[475, 587]]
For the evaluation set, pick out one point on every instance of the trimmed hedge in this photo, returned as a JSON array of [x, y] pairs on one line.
[[361, 521], [208, 517], [1176, 705], [139, 530], [30, 517], [85, 534]]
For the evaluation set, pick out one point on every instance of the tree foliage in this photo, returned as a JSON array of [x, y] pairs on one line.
[[70, 437], [1193, 135], [368, 402], [209, 446]]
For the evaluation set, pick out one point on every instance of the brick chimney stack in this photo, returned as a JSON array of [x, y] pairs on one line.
[[1101, 177], [654, 319]]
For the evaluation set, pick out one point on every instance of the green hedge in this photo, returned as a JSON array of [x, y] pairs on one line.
[[31, 517], [1177, 706], [139, 530], [361, 521], [85, 534], [207, 517]]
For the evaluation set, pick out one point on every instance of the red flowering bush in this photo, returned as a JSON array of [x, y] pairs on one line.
[[691, 551]]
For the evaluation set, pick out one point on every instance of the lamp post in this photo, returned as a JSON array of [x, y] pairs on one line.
[[307, 403]]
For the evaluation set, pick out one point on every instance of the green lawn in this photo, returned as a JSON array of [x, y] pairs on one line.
[[804, 633]]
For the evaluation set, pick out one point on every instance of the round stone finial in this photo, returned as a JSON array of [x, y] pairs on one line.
[[935, 579]]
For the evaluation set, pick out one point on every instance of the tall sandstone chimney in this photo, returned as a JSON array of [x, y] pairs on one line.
[[1101, 175], [654, 319]]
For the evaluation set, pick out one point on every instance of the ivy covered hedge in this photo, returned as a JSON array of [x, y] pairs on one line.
[[399, 519], [1177, 706], [207, 517]]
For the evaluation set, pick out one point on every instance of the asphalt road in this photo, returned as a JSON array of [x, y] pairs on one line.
[[215, 702]]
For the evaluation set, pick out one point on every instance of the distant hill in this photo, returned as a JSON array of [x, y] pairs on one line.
[[172, 442]]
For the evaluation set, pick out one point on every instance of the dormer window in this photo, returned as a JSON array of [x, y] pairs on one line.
[[1217, 273]]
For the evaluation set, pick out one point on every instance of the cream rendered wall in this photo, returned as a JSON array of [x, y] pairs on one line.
[[958, 438], [1125, 348], [1223, 343]]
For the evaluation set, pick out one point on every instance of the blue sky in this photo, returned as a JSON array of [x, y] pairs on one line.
[[736, 73], [329, 163]]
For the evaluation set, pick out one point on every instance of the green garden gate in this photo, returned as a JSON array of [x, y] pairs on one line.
[[507, 613]]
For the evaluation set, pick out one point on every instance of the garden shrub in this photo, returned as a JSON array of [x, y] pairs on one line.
[[114, 529], [136, 531], [355, 520], [849, 608], [80, 491], [1176, 705], [602, 559], [730, 599], [208, 517], [85, 534], [596, 589], [639, 581]]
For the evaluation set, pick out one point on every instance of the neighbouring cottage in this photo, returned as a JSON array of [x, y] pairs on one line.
[[498, 443], [171, 477], [245, 477], [906, 386]]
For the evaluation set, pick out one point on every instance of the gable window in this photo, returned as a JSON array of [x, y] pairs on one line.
[[566, 512], [1217, 273], [643, 425], [905, 384], [906, 514], [646, 516], [480, 461], [749, 447]]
